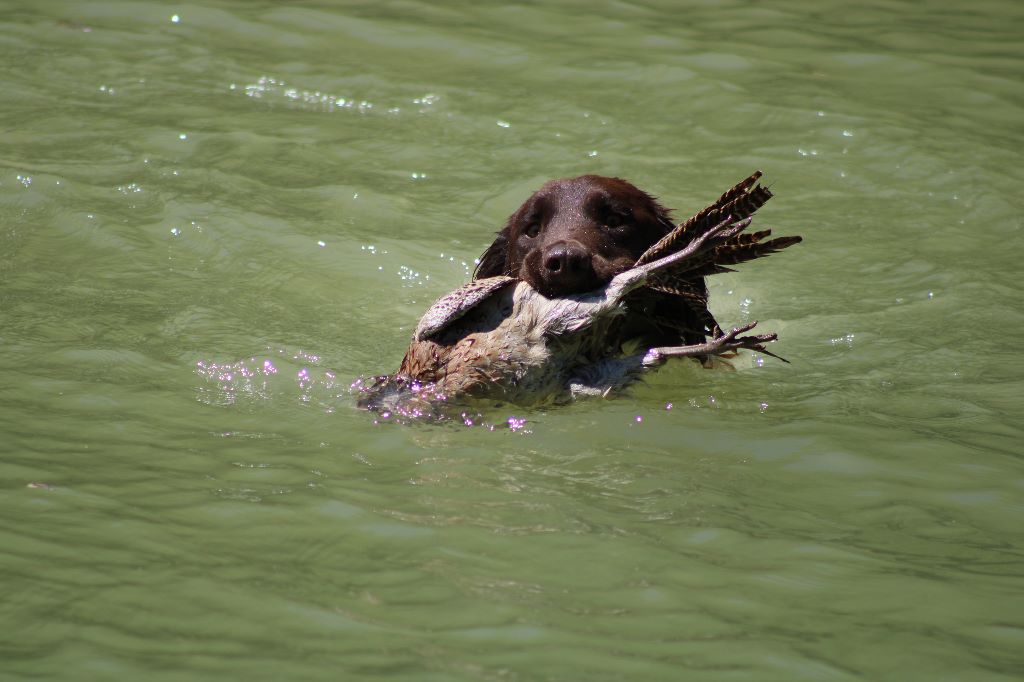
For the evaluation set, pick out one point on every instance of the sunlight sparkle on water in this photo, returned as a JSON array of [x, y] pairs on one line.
[[259, 379], [846, 340], [268, 85], [516, 423], [745, 309], [412, 277]]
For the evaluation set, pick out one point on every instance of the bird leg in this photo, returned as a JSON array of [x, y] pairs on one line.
[[716, 346]]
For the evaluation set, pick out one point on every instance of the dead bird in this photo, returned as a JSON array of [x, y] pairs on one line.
[[500, 338]]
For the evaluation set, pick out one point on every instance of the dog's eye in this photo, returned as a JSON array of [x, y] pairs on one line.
[[532, 229], [614, 220]]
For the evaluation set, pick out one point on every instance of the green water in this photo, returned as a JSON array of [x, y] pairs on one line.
[[210, 226]]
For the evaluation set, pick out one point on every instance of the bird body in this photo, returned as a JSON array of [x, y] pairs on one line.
[[517, 345]]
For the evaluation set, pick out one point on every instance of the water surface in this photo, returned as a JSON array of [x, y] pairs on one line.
[[213, 218]]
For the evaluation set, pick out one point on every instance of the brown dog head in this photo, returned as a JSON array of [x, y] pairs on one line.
[[574, 235]]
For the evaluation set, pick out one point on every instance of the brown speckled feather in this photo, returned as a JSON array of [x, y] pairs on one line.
[[454, 305], [739, 203], [714, 262]]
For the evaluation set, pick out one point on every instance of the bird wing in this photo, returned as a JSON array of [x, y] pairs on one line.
[[454, 305]]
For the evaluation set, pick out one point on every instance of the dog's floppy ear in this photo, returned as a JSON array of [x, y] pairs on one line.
[[493, 260]]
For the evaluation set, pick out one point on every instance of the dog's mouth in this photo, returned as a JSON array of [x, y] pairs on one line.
[[558, 288]]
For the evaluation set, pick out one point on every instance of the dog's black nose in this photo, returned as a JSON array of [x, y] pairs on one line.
[[566, 268], [565, 260]]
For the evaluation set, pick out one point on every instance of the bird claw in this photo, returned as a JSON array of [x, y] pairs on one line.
[[719, 345]]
